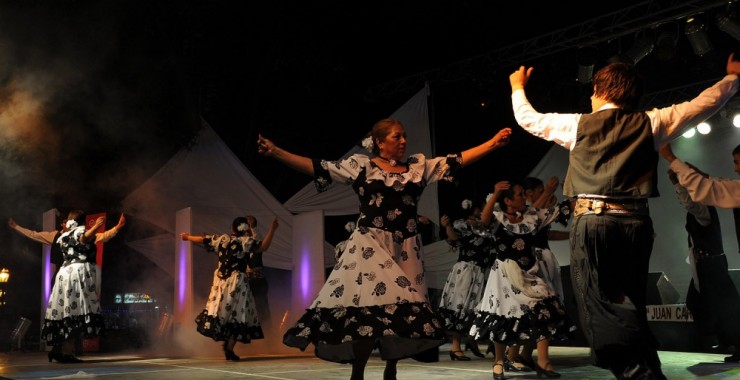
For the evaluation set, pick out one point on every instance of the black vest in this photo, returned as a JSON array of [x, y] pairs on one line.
[[614, 155], [707, 239]]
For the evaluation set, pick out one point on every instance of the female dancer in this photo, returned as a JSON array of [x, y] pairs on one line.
[[231, 313], [518, 306], [542, 195], [74, 306], [464, 286], [376, 295]]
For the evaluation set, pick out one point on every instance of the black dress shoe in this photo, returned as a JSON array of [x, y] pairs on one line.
[[230, 355], [461, 357], [499, 376], [55, 355], [637, 371], [70, 359], [473, 347], [550, 374], [511, 367], [527, 362]]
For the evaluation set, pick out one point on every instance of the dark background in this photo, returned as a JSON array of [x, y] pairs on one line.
[[96, 95]]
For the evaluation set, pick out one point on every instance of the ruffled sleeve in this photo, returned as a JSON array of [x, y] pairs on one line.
[[208, 243], [460, 227], [546, 216], [250, 245], [211, 242], [435, 169], [343, 171]]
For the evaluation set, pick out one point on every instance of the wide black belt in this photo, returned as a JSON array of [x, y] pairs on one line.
[[597, 206]]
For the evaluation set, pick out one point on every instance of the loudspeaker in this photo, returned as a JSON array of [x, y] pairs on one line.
[[660, 290]]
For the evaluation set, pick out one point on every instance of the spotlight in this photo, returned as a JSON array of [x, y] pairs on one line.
[[696, 32], [640, 49], [726, 24], [665, 41], [586, 59], [704, 128], [736, 121], [690, 133]]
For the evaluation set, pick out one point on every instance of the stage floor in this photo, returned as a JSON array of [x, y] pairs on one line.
[[571, 362]]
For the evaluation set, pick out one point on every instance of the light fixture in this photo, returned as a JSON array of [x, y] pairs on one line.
[[690, 133], [643, 46], [736, 121], [696, 32], [586, 59], [727, 24], [665, 41], [4, 275], [704, 128]]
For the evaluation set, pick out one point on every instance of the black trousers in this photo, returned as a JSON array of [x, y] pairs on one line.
[[610, 256], [716, 307]]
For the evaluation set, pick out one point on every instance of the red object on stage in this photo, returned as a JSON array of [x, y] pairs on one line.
[[91, 344]]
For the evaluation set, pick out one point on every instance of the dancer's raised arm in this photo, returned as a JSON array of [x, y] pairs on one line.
[[267, 148], [474, 154]]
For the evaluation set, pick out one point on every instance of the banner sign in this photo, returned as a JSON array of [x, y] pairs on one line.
[[669, 313]]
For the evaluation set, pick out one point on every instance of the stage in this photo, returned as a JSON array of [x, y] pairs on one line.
[[571, 362]]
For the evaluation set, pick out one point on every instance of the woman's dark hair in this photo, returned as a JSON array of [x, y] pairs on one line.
[[507, 194], [78, 216], [620, 84], [531, 183], [235, 225], [736, 150], [381, 130]]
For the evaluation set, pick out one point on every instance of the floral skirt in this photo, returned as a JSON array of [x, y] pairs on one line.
[[510, 315], [231, 311], [461, 294], [376, 291], [73, 308], [550, 269]]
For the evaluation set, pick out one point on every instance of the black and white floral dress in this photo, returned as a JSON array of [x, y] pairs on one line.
[[74, 307], [549, 264], [377, 289], [463, 289], [518, 305], [230, 311]]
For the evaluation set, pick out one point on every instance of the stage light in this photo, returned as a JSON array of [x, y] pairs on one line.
[[4, 275], [704, 128], [586, 59], [728, 25], [696, 32], [690, 133], [666, 40], [640, 49], [736, 121]]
